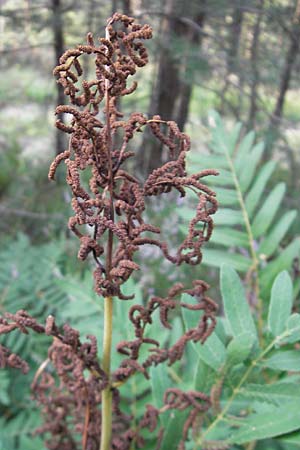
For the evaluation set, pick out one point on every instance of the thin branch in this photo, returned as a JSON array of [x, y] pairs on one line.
[[30, 214]]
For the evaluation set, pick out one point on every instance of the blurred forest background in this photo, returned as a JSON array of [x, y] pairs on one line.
[[239, 58]]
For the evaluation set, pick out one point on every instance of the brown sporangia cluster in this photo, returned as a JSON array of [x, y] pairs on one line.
[[111, 207], [141, 316], [108, 221]]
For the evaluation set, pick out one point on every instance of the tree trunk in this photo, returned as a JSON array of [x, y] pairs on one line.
[[254, 82], [58, 51], [285, 78], [286, 75], [165, 90], [233, 61], [126, 6], [234, 40], [114, 6], [193, 39], [172, 89]]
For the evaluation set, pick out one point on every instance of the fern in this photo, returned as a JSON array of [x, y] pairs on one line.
[[250, 225], [28, 280], [246, 408]]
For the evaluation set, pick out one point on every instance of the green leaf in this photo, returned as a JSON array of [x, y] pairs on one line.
[[222, 140], [227, 216], [293, 323], [236, 307], [256, 191], [247, 172], [266, 214], [275, 393], [224, 179], [233, 138], [283, 360], [279, 421], [160, 382], [239, 348], [273, 239], [213, 257], [226, 197], [243, 150], [290, 438], [173, 431], [281, 303], [31, 443], [207, 161], [4, 383], [282, 262], [204, 377], [213, 351], [229, 237]]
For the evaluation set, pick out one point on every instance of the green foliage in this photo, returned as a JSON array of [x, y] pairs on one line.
[[281, 303], [250, 408], [249, 365], [259, 396], [30, 279], [249, 225], [236, 307]]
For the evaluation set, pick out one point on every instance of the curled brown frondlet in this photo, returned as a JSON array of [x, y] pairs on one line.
[[109, 223]]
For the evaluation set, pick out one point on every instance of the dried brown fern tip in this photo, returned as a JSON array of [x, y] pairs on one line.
[[109, 223], [113, 204]]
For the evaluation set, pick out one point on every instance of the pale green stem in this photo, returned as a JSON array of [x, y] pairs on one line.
[[106, 410], [254, 267], [236, 390], [106, 425], [251, 446]]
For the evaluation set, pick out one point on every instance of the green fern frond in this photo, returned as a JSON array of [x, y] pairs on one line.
[[249, 225]]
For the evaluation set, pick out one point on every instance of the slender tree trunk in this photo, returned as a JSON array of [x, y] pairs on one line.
[[193, 40], [173, 86], [235, 35], [254, 82], [233, 61], [286, 75], [165, 90], [58, 51], [285, 78], [126, 6], [114, 6]]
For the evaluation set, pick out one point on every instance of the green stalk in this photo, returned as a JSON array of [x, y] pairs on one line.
[[106, 411], [255, 262], [106, 425], [221, 416]]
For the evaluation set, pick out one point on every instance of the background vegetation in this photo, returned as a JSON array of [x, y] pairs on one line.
[[240, 59]]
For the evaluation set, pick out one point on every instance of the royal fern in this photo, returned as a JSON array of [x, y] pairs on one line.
[[251, 222]]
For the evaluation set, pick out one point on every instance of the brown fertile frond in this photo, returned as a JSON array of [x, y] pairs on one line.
[[108, 221], [198, 402], [112, 190], [70, 359], [8, 359]]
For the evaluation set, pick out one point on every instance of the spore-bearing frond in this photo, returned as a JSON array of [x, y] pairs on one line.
[[108, 221]]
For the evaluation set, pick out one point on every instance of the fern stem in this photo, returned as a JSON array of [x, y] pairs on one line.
[[255, 262], [106, 412], [236, 390], [106, 425]]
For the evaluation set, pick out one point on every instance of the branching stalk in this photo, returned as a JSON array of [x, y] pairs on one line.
[[254, 267], [221, 416]]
